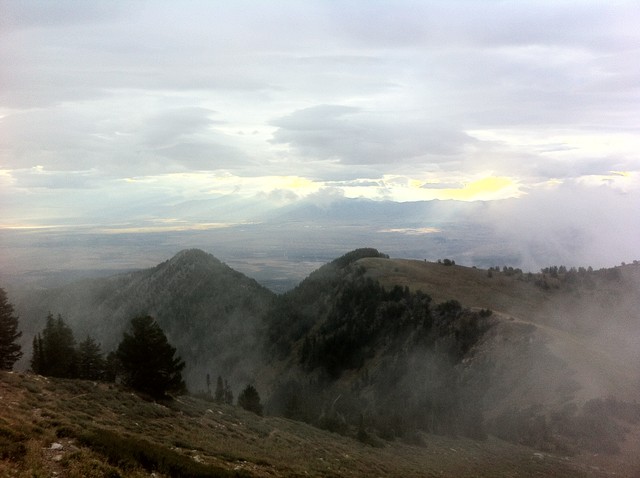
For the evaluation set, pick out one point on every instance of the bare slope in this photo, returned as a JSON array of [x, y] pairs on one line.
[[76, 429]]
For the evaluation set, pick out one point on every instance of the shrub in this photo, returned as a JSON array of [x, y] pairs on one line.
[[12, 444], [127, 452], [249, 399]]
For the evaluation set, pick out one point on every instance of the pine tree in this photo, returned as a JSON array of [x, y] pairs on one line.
[[148, 360], [54, 351], [37, 357], [219, 396], [111, 367], [249, 399], [228, 394], [10, 351], [91, 364]]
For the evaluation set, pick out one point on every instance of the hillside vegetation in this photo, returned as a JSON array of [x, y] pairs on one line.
[[588, 320], [79, 429], [202, 305], [386, 351], [383, 360]]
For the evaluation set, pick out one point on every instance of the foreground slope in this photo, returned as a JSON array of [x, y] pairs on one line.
[[76, 429]]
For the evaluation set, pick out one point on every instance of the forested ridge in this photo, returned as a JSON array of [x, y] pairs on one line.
[[401, 354], [343, 350]]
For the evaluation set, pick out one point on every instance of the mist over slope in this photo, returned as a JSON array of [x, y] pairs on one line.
[[202, 305], [579, 314], [386, 348], [104, 430]]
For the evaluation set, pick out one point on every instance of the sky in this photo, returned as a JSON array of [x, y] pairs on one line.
[[116, 114]]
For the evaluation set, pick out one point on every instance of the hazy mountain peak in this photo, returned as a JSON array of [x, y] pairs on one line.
[[192, 256], [357, 254]]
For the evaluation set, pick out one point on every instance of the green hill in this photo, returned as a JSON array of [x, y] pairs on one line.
[[589, 320], [384, 342], [202, 305], [387, 351]]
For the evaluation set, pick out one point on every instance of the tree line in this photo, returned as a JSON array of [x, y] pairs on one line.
[[404, 351], [144, 360], [10, 350]]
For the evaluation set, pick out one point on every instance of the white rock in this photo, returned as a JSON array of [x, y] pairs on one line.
[[56, 446]]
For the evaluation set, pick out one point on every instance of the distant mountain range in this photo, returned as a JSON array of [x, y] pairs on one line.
[[279, 244]]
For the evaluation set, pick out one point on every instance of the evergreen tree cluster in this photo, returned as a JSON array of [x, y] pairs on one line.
[[56, 354], [10, 350], [144, 359], [148, 362], [348, 319], [249, 399]]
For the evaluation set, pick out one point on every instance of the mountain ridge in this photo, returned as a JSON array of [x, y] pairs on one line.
[[200, 302], [320, 352]]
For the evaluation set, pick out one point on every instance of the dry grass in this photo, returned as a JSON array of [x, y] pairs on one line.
[[567, 343], [586, 328], [108, 432]]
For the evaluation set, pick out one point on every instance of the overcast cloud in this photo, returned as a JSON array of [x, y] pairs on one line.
[[160, 102]]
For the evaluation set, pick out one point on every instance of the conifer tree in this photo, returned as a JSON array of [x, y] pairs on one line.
[[91, 364], [111, 367], [37, 356], [249, 399], [10, 351], [148, 361], [219, 396], [228, 394], [54, 352]]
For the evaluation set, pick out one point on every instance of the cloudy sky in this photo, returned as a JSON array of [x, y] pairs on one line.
[[117, 111]]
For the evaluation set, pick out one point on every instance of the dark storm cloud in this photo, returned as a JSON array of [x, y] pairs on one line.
[[36, 178], [172, 125], [65, 139]]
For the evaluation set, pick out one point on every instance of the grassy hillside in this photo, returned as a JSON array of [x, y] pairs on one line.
[[376, 349], [560, 343], [589, 323], [585, 303], [78, 429]]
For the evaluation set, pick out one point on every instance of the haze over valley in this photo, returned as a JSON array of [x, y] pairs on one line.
[[281, 136], [396, 238], [393, 350]]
